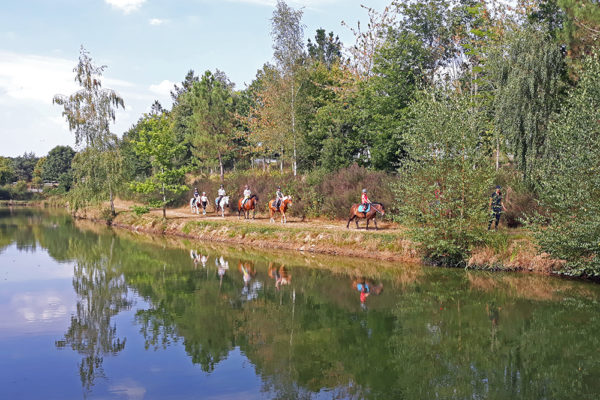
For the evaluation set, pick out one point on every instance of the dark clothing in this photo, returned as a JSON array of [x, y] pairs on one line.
[[496, 202], [496, 209]]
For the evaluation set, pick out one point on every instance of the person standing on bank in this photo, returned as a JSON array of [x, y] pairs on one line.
[[496, 207]]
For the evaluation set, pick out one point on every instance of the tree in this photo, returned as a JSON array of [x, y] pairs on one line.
[[288, 50], [268, 121], [443, 191], [210, 127], [326, 49], [570, 179], [157, 144], [89, 112], [6, 170], [24, 165], [529, 82], [57, 162]]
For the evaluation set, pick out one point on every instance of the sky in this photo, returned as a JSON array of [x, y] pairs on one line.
[[147, 46]]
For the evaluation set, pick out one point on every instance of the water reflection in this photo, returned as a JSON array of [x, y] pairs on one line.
[[102, 293], [431, 334]]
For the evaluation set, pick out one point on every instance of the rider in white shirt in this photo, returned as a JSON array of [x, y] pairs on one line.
[[203, 202], [247, 194], [221, 194]]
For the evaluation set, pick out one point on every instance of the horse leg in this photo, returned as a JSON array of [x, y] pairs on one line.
[[375, 222], [349, 219], [367, 228], [271, 219], [356, 220]]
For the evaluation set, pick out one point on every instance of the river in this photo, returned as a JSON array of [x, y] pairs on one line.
[[91, 312]]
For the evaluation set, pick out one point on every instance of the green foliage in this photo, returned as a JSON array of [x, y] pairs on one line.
[[210, 125], [140, 210], [442, 193], [6, 170], [530, 83], [157, 144], [89, 112], [23, 166], [326, 49], [570, 179], [57, 163]]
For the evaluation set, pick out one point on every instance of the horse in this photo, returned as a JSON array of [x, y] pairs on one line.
[[285, 203], [221, 205], [251, 204], [370, 215], [194, 206]]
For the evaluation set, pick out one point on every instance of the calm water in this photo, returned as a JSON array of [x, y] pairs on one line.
[[88, 312]]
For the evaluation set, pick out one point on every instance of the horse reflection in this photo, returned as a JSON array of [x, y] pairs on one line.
[[251, 288], [222, 267], [366, 288], [281, 275]]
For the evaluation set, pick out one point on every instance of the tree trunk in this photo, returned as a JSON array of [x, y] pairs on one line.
[[221, 168], [294, 125], [112, 203]]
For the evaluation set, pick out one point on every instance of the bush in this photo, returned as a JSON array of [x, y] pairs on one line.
[[140, 210], [519, 200], [317, 194]]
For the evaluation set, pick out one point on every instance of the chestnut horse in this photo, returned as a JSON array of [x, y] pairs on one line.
[[285, 203], [355, 214], [250, 205]]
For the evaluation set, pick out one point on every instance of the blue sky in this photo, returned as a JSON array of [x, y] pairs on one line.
[[147, 45]]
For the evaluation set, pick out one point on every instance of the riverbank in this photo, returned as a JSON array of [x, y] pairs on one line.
[[508, 249]]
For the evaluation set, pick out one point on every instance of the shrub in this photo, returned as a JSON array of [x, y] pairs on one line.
[[140, 210]]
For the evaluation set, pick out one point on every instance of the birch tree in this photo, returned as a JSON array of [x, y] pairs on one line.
[[288, 50], [89, 112]]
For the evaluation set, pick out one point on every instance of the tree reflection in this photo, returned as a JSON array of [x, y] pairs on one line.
[[102, 294]]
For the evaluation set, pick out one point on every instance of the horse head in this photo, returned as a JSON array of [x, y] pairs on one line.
[[381, 208]]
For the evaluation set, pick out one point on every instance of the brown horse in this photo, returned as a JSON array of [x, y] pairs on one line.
[[355, 214], [250, 205], [285, 203]]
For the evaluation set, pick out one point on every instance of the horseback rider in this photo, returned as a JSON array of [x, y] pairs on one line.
[[221, 194], [196, 194], [247, 194], [278, 197], [364, 199], [204, 202]]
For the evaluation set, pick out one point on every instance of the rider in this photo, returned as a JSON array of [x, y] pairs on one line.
[[364, 199], [278, 197], [196, 194], [204, 202], [221, 194], [247, 194]]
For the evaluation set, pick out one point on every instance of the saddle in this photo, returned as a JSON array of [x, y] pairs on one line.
[[362, 209]]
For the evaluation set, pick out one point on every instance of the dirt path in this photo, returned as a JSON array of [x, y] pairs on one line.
[[183, 213]]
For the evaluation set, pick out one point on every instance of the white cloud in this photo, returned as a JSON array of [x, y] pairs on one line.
[[163, 89], [294, 3], [157, 21], [126, 6]]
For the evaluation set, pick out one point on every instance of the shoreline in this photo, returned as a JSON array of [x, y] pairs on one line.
[[316, 236]]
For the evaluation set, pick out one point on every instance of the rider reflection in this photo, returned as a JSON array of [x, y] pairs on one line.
[[222, 266], [366, 288], [281, 275]]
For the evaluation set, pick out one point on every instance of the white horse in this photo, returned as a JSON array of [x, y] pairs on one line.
[[194, 206], [224, 202]]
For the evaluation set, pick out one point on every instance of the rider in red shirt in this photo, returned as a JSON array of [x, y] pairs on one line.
[[364, 199]]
